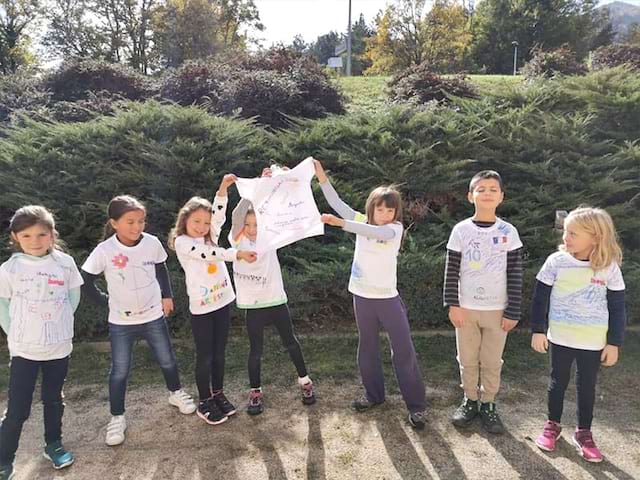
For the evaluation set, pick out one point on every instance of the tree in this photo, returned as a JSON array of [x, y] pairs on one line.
[[409, 31], [15, 17], [185, 30], [324, 47], [380, 48], [447, 36], [233, 15], [299, 45], [360, 33], [71, 31]]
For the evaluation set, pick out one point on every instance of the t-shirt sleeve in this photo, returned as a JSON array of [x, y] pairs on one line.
[[96, 263], [75, 279], [515, 242], [161, 254], [455, 243], [5, 283], [548, 272], [615, 281]]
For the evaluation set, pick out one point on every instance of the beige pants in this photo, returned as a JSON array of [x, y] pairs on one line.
[[480, 345]]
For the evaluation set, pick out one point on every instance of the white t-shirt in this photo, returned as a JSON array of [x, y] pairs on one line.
[[375, 264], [578, 311], [134, 292], [284, 206], [258, 284], [41, 314], [483, 269]]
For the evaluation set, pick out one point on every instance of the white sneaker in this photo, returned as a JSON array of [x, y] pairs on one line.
[[115, 430], [183, 401]]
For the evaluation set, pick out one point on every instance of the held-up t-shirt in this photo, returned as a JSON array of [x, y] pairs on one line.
[[483, 269], [134, 292]]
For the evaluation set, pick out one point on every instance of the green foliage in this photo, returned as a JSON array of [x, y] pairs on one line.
[[547, 64], [558, 143]]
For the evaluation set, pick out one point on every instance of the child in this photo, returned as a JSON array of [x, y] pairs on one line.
[[483, 290], [260, 292], [39, 293], [139, 298], [195, 239], [582, 289], [376, 301]]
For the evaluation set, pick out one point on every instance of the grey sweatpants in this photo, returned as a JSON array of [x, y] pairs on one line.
[[390, 314]]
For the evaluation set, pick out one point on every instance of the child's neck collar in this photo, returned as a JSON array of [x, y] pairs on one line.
[[484, 216]]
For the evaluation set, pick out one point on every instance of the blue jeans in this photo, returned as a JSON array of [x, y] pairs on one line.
[[122, 338]]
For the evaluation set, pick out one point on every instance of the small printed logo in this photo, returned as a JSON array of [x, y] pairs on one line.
[[499, 240], [597, 281], [55, 281], [120, 261]]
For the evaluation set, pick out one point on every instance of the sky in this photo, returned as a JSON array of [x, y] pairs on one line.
[[284, 19]]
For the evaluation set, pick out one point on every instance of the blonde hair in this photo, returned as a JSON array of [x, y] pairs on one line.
[[180, 228], [597, 223], [387, 195]]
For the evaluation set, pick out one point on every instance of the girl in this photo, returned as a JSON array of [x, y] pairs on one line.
[[261, 292], [582, 289], [195, 239], [39, 293], [139, 298], [376, 301]]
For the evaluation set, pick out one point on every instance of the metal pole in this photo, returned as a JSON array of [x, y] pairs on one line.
[[349, 43], [515, 57]]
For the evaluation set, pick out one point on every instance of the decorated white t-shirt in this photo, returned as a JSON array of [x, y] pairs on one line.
[[206, 275], [258, 284], [41, 314], [284, 206], [578, 312], [375, 264], [483, 268], [134, 292]]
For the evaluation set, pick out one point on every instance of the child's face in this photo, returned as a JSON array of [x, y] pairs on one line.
[[486, 194], [36, 240], [251, 227], [130, 226], [577, 241], [199, 223], [382, 214]]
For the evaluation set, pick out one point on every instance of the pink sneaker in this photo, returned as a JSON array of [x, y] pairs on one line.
[[583, 440], [550, 434]]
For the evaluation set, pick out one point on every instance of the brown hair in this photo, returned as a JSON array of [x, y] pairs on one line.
[[117, 207], [387, 195], [484, 175], [597, 223], [28, 216], [180, 228]]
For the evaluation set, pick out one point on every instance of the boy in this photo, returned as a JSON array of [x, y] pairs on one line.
[[483, 290]]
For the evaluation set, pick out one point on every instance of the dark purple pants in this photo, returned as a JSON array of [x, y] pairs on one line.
[[390, 314]]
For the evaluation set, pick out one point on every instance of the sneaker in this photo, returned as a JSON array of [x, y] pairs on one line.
[[255, 402], [183, 401], [308, 398], [115, 430], [417, 421], [209, 411], [490, 419], [583, 440], [550, 434], [224, 404], [465, 413], [363, 404], [6, 472], [59, 456]]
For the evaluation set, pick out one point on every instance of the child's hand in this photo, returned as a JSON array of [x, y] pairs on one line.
[[320, 173], [266, 172], [508, 324], [247, 256], [227, 180], [539, 342], [167, 306], [609, 356], [456, 316], [332, 220]]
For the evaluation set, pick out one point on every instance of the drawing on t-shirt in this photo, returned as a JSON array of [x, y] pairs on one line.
[[120, 260], [212, 268]]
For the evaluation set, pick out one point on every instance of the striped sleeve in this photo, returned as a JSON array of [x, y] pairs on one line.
[[514, 284], [451, 278]]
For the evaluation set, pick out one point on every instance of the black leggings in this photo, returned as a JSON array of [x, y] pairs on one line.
[[279, 316], [587, 366], [210, 333]]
